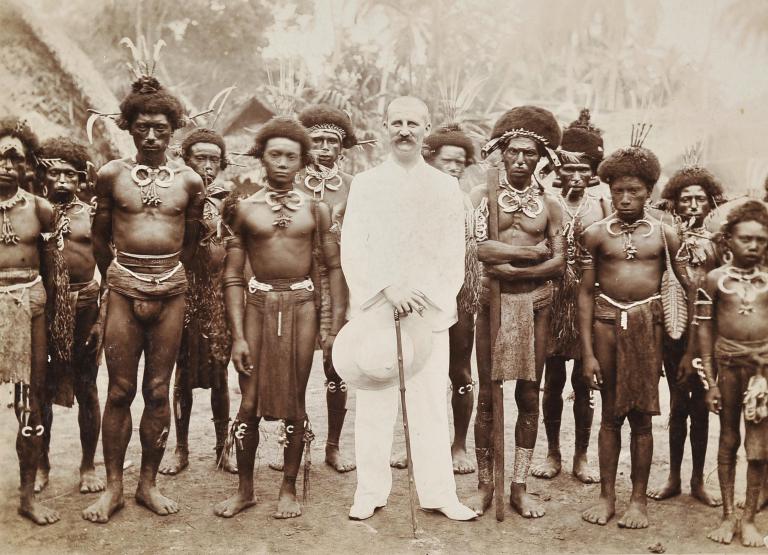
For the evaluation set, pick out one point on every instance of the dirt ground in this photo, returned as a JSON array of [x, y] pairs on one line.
[[678, 524]]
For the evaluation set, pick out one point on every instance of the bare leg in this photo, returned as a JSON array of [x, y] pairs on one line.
[[28, 442], [552, 406], [123, 343], [641, 447], [336, 400], [699, 439], [609, 438], [182, 411], [481, 500], [750, 536], [527, 426], [583, 414], [461, 338], [44, 464], [162, 339]]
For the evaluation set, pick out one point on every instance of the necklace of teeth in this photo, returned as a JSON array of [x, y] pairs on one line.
[[280, 202], [527, 201], [749, 284], [626, 230], [8, 234], [149, 179], [569, 229], [327, 178]]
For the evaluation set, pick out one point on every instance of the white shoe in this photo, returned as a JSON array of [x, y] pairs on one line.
[[456, 511], [363, 512]]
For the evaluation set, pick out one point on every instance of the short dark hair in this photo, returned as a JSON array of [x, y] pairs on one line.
[[693, 175], [632, 161], [286, 128], [449, 135], [15, 127], [67, 150], [205, 135], [148, 96], [750, 211]]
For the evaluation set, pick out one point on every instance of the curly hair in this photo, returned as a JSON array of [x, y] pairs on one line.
[[148, 96], [15, 127], [324, 114], [449, 135], [750, 211], [205, 135], [631, 161], [693, 175], [285, 128], [67, 150]]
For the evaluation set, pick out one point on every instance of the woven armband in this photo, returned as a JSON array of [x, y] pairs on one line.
[[232, 281], [702, 306]]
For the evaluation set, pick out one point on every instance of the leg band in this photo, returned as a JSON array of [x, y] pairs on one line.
[[523, 458], [464, 389], [336, 385], [484, 456]]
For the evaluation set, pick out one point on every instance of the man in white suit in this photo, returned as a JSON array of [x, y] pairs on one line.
[[403, 246]]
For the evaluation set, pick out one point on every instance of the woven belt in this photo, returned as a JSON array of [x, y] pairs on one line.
[[160, 278], [255, 285]]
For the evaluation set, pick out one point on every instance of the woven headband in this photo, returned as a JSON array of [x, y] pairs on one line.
[[332, 128], [500, 143]]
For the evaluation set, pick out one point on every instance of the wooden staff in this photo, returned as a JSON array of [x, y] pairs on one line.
[[401, 373], [497, 386]]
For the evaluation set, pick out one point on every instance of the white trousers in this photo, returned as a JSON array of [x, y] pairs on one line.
[[375, 417]]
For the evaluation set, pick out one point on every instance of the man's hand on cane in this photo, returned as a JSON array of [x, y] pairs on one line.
[[405, 299]]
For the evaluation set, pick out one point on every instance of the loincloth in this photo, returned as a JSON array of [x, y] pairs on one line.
[[566, 342], [171, 281], [279, 381], [513, 352], [742, 366], [20, 302], [83, 366], [638, 353]]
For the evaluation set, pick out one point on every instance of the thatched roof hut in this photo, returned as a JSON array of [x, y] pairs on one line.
[[47, 79]]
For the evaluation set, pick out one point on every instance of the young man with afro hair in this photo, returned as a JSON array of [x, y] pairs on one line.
[[277, 229], [691, 194], [620, 323], [149, 209]]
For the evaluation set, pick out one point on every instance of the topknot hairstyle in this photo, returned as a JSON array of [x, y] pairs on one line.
[[15, 127], [632, 161], [319, 115], [693, 175], [205, 135], [750, 211], [148, 96], [286, 128], [67, 150], [582, 136], [450, 134]]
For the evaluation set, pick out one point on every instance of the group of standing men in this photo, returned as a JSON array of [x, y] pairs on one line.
[[194, 275]]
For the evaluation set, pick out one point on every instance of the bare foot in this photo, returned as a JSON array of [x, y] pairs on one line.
[[228, 463], [725, 531], [583, 472], [105, 506], [334, 459], [698, 491], [549, 468], [177, 462], [635, 517], [287, 504], [462, 464], [482, 499], [89, 482], [155, 501], [670, 489], [600, 513], [750, 537], [37, 512], [230, 507], [524, 503], [41, 479], [399, 460]]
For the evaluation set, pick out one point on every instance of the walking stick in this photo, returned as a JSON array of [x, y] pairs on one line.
[[401, 373], [497, 386]]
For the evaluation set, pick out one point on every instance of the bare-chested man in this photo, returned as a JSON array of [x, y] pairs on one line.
[[62, 168], [23, 337], [620, 322], [692, 192], [205, 342], [277, 229], [732, 317], [582, 152], [150, 209], [522, 263]]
